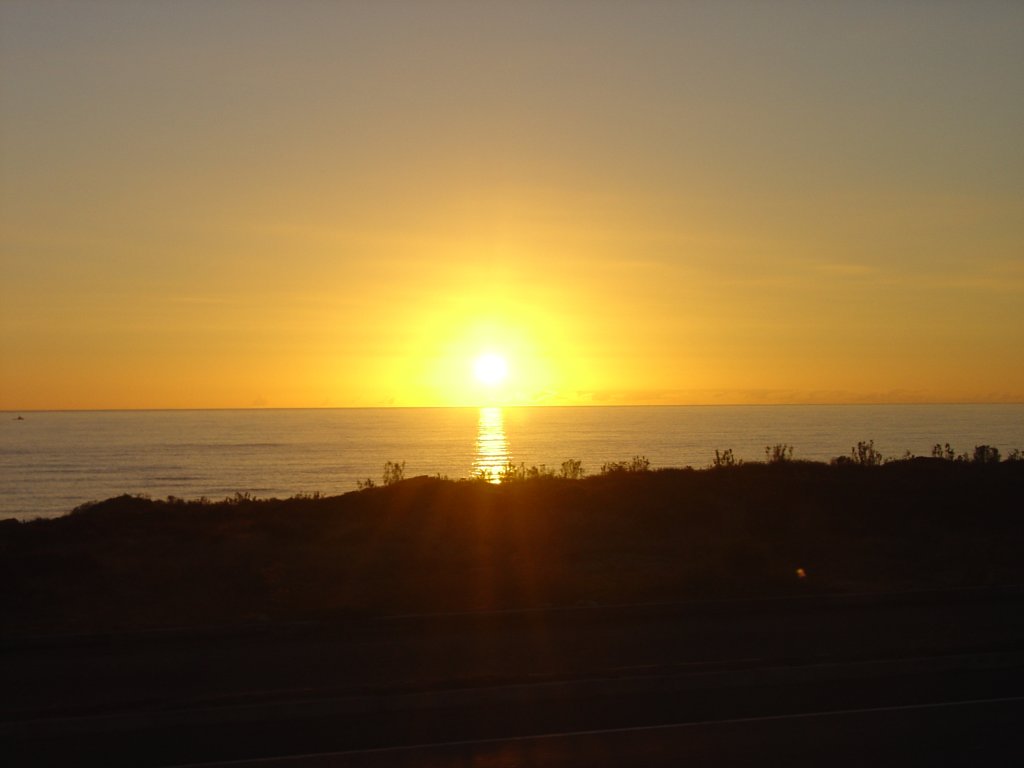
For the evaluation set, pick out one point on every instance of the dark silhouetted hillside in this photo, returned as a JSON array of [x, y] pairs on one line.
[[431, 545]]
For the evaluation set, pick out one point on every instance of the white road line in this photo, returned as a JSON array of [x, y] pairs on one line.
[[608, 731]]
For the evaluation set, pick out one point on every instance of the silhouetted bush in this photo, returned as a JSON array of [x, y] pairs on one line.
[[778, 453], [513, 472], [393, 472], [572, 469], [636, 464], [985, 454], [865, 455], [725, 459]]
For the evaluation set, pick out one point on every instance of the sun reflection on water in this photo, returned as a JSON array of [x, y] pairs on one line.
[[491, 446]]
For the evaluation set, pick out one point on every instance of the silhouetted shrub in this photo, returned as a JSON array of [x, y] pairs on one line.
[[778, 453], [985, 454], [865, 455], [572, 469], [725, 459], [636, 464], [393, 472], [512, 472], [943, 452]]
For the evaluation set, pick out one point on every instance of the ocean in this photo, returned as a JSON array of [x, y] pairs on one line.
[[51, 462]]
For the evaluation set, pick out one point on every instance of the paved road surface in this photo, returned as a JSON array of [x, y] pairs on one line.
[[757, 669], [971, 733]]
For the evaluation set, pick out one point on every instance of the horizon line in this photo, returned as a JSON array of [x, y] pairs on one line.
[[531, 405]]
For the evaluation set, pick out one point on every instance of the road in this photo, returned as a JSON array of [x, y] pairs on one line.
[[938, 674], [969, 733]]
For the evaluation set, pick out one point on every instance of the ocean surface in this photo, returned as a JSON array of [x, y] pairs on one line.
[[51, 462]]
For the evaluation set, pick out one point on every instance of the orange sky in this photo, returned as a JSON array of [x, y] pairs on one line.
[[240, 204]]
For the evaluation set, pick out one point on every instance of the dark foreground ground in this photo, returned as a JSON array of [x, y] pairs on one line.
[[636, 619]]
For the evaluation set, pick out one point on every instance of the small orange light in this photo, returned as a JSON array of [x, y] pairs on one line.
[[801, 573]]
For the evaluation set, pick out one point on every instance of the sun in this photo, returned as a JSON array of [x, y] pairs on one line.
[[490, 369]]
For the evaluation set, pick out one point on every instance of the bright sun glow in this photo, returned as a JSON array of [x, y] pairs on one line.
[[490, 369]]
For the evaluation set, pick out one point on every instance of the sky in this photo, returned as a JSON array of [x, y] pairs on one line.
[[331, 204]]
